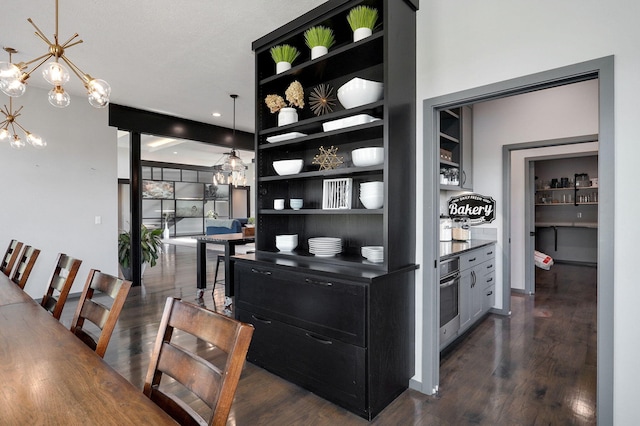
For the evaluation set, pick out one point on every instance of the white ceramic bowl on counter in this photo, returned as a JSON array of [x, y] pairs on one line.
[[363, 157], [288, 167], [358, 91]]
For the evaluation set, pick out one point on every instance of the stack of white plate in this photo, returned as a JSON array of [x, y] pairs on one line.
[[372, 194], [286, 242], [373, 253], [325, 246]]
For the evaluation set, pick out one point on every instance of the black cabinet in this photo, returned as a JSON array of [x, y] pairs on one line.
[[347, 338], [341, 326]]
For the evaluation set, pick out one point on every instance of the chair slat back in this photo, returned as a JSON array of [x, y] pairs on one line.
[[60, 283], [102, 315], [10, 257], [27, 259], [215, 384]]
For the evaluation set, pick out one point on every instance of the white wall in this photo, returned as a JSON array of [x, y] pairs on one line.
[[52, 196], [466, 44]]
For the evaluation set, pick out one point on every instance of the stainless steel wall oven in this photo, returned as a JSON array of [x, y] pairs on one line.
[[449, 299]]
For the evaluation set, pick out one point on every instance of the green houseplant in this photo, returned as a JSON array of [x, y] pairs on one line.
[[283, 55], [151, 243], [362, 19], [319, 39]]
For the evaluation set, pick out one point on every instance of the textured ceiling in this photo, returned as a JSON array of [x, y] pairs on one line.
[[182, 58]]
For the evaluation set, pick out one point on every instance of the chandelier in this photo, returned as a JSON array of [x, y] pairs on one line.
[[232, 169], [9, 121], [13, 77]]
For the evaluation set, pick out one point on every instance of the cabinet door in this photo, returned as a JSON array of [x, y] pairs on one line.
[[476, 292], [466, 282], [466, 163]]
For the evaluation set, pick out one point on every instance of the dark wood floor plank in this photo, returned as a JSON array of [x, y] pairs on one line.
[[537, 366]]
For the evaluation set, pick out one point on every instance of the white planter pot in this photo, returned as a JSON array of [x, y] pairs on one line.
[[317, 51], [361, 33], [287, 116], [282, 67]]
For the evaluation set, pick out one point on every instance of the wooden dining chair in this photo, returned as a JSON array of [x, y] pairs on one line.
[[213, 380], [10, 257], [27, 259], [100, 303], [60, 283]]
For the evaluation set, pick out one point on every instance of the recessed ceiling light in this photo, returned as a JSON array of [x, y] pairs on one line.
[[216, 114], [175, 152]]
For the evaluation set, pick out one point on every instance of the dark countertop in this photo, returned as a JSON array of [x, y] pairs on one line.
[[454, 248]]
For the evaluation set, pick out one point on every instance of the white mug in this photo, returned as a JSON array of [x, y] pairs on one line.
[[278, 203]]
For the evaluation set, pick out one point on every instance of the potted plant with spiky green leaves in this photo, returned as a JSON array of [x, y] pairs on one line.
[[283, 55], [362, 19], [319, 39], [150, 240]]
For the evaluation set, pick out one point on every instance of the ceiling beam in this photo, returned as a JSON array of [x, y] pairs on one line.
[[153, 123]]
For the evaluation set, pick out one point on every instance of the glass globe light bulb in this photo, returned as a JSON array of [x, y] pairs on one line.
[[36, 141], [9, 71], [99, 92], [17, 143], [4, 134], [59, 98], [13, 87], [55, 74]]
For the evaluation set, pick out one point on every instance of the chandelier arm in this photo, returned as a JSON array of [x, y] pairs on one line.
[[77, 71], [39, 33], [46, 58], [16, 113], [13, 128], [66, 45], [26, 132], [23, 65]]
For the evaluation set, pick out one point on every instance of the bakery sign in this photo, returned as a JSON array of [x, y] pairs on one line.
[[478, 208]]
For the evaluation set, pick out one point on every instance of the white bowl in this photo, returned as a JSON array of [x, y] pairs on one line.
[[364, 157], [288, 167], [286, 242], [286, 246], [372, 201], [359, 91], [295, 203]]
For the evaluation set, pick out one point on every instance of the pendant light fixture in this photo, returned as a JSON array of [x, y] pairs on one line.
[[13, 77], [10, 122], [232, 169]]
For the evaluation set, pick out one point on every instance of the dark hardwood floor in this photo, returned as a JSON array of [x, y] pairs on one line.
[[536, 367]]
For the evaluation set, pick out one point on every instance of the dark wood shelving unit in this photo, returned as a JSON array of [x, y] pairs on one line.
[[305, 307]]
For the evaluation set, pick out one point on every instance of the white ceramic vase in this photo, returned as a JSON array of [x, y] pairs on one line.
[[360, 33], [282, 67], [287, 115], [317, 51]]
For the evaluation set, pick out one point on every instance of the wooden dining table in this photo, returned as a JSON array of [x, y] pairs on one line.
[[48, 376], [229, 241]]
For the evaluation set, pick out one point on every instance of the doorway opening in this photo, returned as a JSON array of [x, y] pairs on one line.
[[602, 71]]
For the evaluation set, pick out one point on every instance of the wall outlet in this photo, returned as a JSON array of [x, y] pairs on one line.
[[579, 215], [98, 220]]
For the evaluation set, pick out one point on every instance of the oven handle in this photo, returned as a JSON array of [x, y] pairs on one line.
[[450, 282]]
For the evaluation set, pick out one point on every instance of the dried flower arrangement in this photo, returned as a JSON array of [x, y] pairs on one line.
[[294, 95]]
